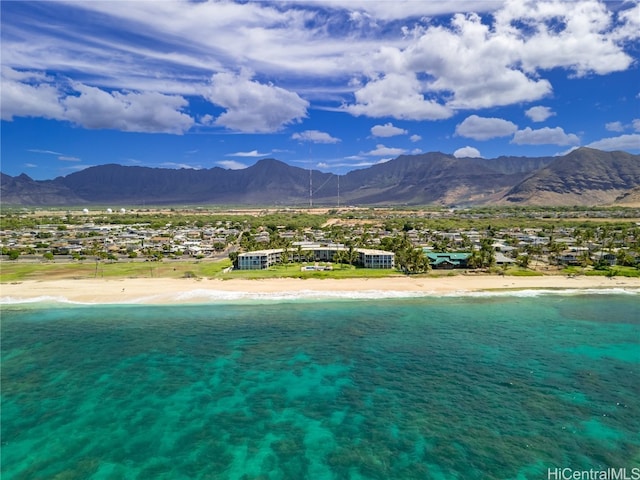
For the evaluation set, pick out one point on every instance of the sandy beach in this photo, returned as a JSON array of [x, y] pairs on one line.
[[170, 291]]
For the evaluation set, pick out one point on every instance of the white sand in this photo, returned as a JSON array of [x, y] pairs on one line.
[[165, 291]]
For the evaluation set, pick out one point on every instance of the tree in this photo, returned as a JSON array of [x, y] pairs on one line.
[[48, 256], [340, 257], [523, 261], [475, 260], [416, 261], [352, 255], [487, 253]]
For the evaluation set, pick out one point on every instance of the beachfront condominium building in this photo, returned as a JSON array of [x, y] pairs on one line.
[[366, 258], [260, 259]]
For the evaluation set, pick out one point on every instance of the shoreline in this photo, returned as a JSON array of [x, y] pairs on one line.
[[166, 291]]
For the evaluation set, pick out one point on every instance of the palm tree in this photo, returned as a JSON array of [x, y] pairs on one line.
[[340, 257], [487, 252], [352, 255]]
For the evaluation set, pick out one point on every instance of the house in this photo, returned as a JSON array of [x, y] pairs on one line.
[[448, 260], [605, 257], [502, 259], [570, 257]]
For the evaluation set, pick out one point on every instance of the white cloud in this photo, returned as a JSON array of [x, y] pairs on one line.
[[399, 9], [473, 63], [148, 112], [636, 124], [415, 138], [539, 113], [207, 119], [398, 96], [323, 165], [67, 158], [416, 151], [623, 142], [231, 164], [252, 153], [423, 72], [30, 165], [91, 107], [387, 130], [467, 152], [180, 165], [544, 136], [614, 126], [21, 99], [573, 35], [314, 136], [381, 151], [482, 128], [48, 152], [252, 106]]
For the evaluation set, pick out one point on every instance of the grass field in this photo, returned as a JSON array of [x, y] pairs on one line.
[[15, 272]]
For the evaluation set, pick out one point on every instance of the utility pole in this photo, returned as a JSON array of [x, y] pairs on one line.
[[310, 190]]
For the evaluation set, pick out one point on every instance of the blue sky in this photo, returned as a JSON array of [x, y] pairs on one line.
[[325, 84]]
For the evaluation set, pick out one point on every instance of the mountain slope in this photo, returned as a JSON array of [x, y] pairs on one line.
[[583, 177], [23, 190]]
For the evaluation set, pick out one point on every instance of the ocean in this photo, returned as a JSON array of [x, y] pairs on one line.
[[483, 386]]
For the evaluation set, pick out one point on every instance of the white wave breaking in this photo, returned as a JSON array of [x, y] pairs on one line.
[[223, 296]]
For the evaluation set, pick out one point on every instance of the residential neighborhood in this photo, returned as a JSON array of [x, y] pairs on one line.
[[407, 242]]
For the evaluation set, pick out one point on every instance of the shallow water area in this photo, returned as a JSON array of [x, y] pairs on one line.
[[482, 386]]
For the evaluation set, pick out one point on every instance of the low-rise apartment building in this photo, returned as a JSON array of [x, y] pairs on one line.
[[366, 258]]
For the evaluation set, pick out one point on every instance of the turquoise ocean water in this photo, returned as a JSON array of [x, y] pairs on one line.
[[475, 387]]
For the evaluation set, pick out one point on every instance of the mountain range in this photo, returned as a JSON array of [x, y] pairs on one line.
[[582, 177]]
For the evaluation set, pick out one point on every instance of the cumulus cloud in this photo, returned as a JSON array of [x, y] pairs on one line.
[[467, 152], [91, 107], [544, 136], [622, 142], [482, 128], [614, 126], [382, 151], [148, 112], [387, 130], [415, 138], [572, 35], [231, 164], [539, 113], [473, 63], [636, 124], [314, 136], [22, 99], [252, 153], [254, 107], [396, 95], [425, 71]]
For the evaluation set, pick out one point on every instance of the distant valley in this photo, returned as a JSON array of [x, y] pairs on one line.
[[582, 177]]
